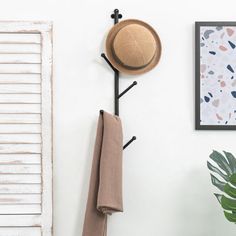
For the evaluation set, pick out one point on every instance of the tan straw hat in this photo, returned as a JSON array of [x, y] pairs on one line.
[[133, 47]]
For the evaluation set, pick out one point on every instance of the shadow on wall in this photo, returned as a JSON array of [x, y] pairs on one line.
[[199, 208], [85, 181]]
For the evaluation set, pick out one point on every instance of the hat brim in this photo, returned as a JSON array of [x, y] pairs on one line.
[[122, 68]]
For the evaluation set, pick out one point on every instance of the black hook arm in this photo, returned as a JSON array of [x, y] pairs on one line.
[[126, 90], [108, 62], [129, 142], [116, 71]]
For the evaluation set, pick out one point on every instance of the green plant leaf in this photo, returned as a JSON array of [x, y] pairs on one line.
[[232, 179], [231, 191], [232, 160], [226, 169], [218, 197], [230, 216], [220, 160], [228, 203], [216, 182], [216, 170]]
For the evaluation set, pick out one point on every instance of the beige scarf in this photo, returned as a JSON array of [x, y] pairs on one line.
[[105, 190]]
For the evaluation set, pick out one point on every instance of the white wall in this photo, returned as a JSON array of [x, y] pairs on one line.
[[167, 189]]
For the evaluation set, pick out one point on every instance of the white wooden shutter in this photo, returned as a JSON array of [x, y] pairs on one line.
[[25, 129]]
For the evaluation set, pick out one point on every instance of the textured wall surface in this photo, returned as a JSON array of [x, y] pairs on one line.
[[167, 189]]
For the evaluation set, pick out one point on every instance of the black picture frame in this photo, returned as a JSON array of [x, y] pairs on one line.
[[198, 25]]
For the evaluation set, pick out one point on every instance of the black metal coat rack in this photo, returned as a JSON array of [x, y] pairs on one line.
[[117, 95]]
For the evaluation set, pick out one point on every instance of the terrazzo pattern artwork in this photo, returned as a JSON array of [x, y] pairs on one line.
[[217, 75]]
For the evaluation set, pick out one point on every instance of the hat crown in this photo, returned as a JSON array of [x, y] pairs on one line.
[[134, 46]]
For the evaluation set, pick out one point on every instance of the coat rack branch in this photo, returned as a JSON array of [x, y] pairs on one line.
[[116, 16], [126, 90], [103, 55], [129, 142]]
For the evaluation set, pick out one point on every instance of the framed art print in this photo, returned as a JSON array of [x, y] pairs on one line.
[[215, 97]]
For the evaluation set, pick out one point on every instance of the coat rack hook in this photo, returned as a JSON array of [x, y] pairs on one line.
[[108, 62], [126, 90], [129, 142]]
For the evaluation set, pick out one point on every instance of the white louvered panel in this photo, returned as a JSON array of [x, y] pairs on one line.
[[9, 148], [20, 139], [20, 209], [20, 169], [20, 199], [21, 221], [20, 88], [20, 68], [19, 48], [11, 159], [20, 179], [20, 78], [25, 129], [20, 231], [19, 98], [20, 128], [20, 108], [20, 189], [8, 38], [14, 118], [20, 59]]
